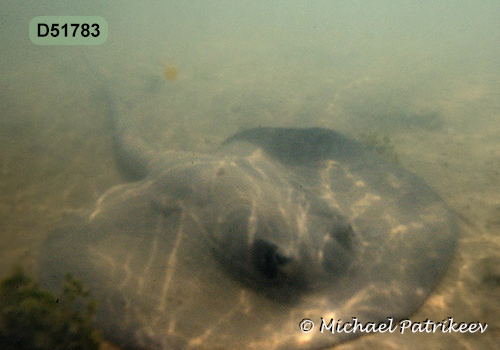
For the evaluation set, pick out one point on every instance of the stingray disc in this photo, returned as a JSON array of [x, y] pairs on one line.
[[232, 250]]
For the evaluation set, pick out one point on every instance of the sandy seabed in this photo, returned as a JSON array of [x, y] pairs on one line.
[[56, 160]]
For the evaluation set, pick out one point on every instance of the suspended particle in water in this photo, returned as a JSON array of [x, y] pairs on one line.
[[170, 72]]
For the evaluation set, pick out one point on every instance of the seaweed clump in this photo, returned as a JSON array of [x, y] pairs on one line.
[[381, 144], [32, 318]]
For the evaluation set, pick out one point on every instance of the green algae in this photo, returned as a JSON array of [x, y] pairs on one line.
[[381, 144], [32, 318]]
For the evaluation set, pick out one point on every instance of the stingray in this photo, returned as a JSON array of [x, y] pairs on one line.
[[234, 249]]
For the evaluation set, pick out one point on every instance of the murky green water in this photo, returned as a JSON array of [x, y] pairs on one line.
[[427, 75]]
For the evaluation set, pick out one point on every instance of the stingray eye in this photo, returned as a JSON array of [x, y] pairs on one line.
[[344, 235], [267, 260], [338, 250]]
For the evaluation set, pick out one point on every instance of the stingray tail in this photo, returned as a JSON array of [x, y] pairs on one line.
[[133, 155]]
